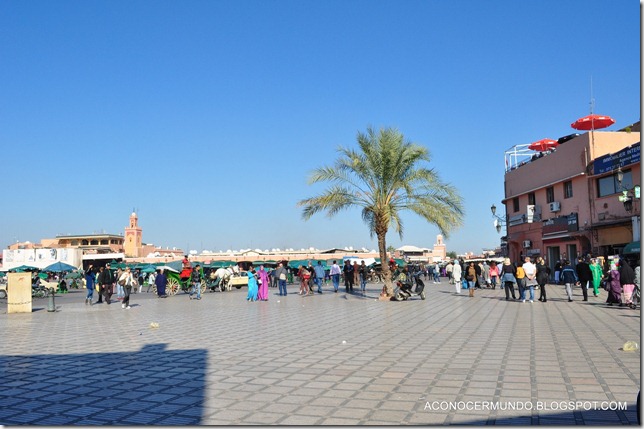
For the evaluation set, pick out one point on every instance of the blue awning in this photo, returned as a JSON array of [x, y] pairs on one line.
[[632, 247]]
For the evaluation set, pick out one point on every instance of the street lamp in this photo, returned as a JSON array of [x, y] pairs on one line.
[[498, 220], [627, 194], [499, 223]]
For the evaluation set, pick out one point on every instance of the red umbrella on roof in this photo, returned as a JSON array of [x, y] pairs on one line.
[[593, 122], [543, 145]]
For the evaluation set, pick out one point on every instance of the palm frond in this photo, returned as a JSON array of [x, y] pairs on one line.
[[385, 177]]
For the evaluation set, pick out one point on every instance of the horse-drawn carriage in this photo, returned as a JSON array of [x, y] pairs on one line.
[[225, 278], [181, 281], [216, 279]]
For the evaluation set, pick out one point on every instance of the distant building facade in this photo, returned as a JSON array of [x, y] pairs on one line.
[[423, 255], [567, 202]]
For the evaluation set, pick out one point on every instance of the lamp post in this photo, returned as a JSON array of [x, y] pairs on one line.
[[628, 195], [499, 223]]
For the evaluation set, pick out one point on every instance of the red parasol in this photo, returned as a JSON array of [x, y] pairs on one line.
[[543, 145], [592, 122]]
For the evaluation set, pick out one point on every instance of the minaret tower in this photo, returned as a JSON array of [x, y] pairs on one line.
[[133, 235]]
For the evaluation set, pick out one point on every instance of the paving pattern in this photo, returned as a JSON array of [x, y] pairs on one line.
[[330, 359]]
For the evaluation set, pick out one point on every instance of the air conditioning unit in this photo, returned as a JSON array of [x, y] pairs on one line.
[[555, 206], [527, 244]]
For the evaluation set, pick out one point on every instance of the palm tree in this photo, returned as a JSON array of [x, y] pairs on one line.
[[384, 179]]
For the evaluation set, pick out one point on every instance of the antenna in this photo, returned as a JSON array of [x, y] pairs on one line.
[[592, 100]]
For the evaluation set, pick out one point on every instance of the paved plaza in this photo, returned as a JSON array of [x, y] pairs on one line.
[[330, 359]]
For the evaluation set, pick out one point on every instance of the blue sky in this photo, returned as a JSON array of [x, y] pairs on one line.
[[208, 116]]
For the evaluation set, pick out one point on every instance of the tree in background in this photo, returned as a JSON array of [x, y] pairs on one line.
[[384, 178]]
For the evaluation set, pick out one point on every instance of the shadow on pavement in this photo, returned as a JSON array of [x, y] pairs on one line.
[[151, 386]]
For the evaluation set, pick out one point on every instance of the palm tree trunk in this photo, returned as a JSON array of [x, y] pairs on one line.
[[384, 262]]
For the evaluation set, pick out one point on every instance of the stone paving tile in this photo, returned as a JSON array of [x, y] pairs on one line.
[[262, 418], [178, 421], [355, 413], [344, 393], [57, 420], [336, 421], [314, 410], [296, 420], [402, 406], [361, 403]]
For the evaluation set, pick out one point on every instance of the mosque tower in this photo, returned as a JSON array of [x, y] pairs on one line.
[[133, 236], [440, 249]]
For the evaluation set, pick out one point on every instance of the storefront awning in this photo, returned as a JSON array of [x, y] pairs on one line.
[[632, 247]]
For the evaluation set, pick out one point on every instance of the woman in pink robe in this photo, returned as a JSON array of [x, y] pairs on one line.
[[262, 293]]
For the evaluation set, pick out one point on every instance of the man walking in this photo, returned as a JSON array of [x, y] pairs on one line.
[[585, 276], [280, 274], [126, 279], [105, 281], [319, 275], [196, 282], [313, 279], [90, 277], [530, 271], [335, 276], [348, 276], [363, 277], [569, 277], [449, 269], [486, 274]]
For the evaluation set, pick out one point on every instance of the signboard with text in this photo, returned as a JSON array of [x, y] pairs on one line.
[[608, 163], [40, 258], [561, 224]]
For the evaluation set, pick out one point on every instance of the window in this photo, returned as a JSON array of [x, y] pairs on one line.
[[94, 242], [568, 189], [84, 243], [531, 199], [609, 185], [550, 194], [104, 242], [515, 204]]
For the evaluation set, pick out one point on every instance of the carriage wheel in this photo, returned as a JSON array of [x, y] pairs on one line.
[[172, 287], [203, 287]]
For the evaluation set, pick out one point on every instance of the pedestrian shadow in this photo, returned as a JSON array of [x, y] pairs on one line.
[[153, 386], [360, 295]]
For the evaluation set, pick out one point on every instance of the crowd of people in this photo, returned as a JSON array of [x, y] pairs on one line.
[[520, 279]]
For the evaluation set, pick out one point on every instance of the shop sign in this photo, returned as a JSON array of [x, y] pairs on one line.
[[561, 224], [572, 222], [609, 163]]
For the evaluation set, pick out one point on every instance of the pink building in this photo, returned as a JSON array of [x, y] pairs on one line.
[[566, 203]]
